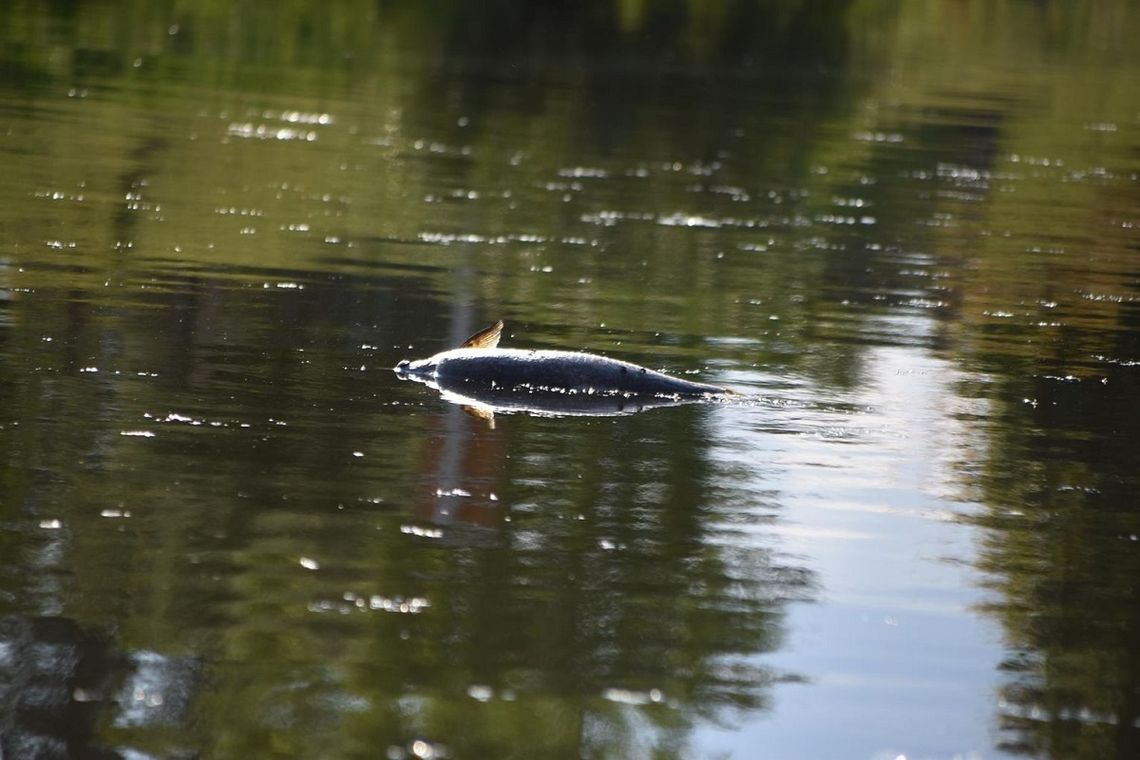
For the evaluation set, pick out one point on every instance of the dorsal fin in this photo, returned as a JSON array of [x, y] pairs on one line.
[[488, 337]]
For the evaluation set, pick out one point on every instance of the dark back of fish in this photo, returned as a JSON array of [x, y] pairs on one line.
[[565, 371]]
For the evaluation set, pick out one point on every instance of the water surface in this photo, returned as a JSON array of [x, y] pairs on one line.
[[905, 233]]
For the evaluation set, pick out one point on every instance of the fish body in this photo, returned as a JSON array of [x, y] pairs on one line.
[[480, 365], [570, 372]]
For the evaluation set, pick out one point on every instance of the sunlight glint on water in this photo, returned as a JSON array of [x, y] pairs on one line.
[[904, 234]]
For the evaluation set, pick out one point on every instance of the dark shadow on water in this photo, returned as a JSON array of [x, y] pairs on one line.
[[60, 685], [55, 680]]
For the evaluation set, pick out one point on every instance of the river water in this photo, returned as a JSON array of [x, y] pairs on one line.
[[904, 233]]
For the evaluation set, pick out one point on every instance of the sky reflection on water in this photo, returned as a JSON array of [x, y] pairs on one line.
[[886, 654], [906, 232]]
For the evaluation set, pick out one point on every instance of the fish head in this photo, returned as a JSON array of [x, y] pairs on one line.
[[425, 370], [420, 369]]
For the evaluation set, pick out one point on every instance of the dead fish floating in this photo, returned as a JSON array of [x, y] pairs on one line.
[[479, 373]]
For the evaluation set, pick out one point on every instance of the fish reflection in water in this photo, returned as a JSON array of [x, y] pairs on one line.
[[486, 379], [486, 402]]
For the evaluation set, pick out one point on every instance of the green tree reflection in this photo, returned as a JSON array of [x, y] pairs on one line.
[[257, 192]]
